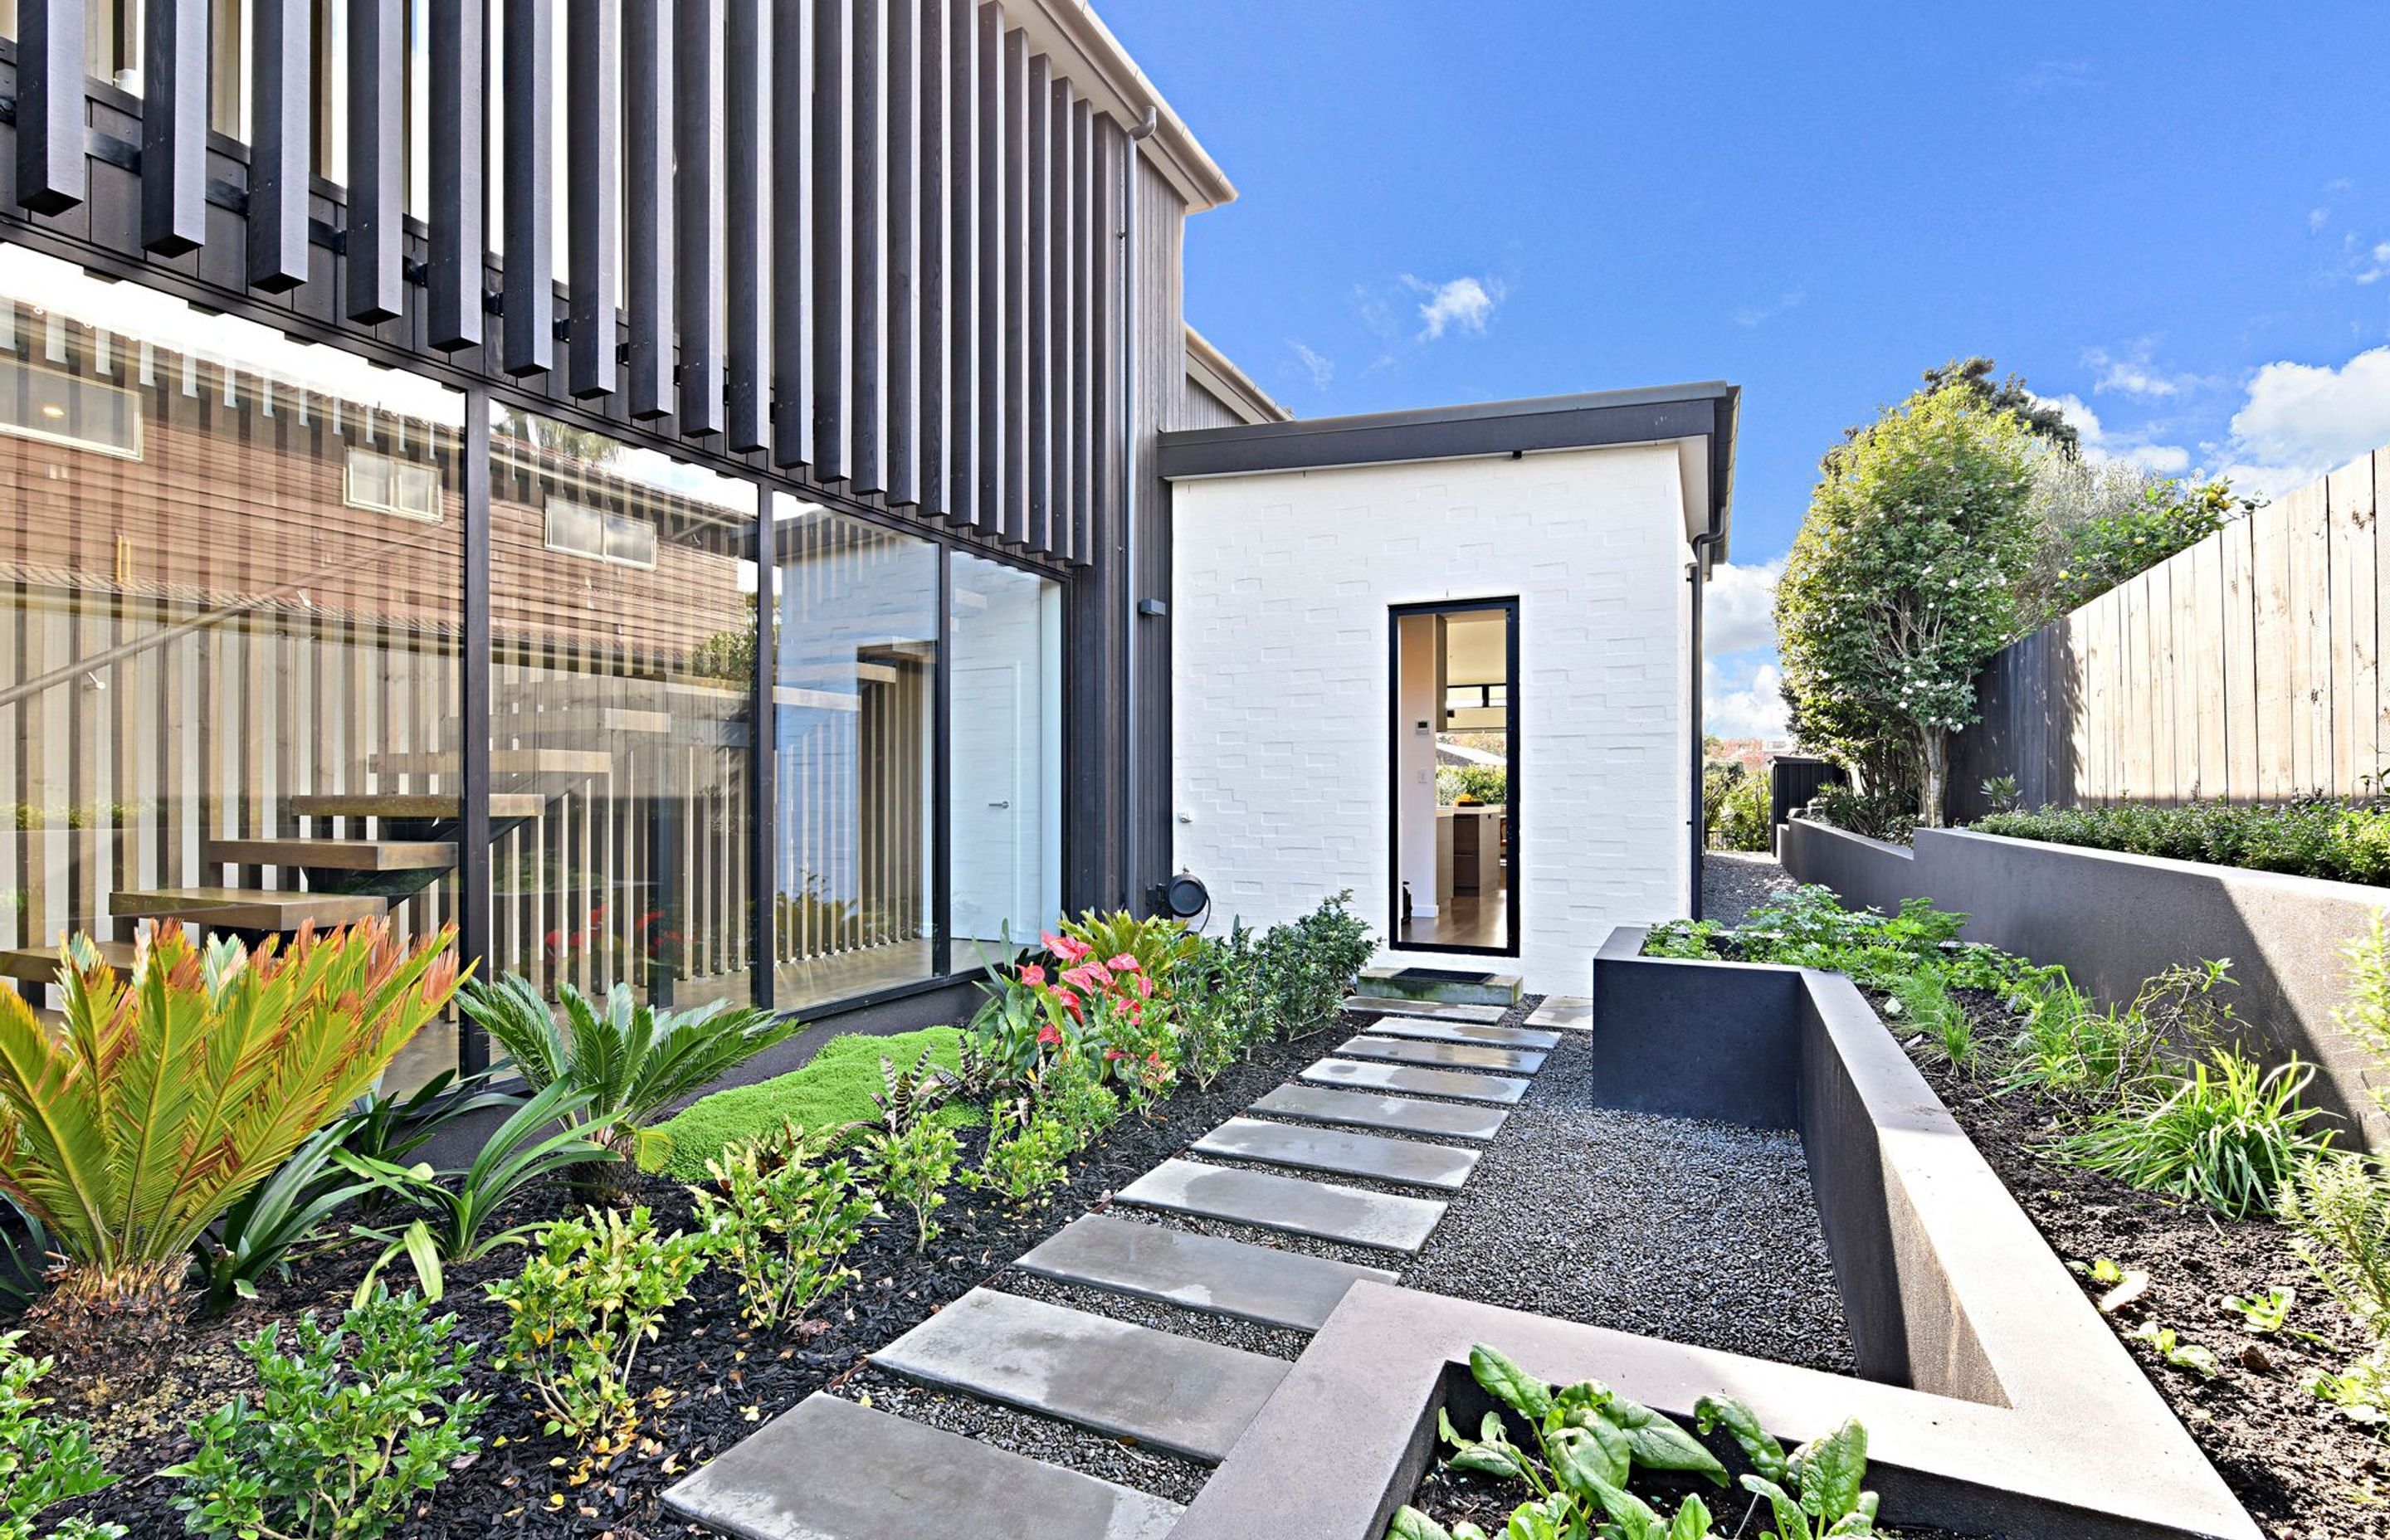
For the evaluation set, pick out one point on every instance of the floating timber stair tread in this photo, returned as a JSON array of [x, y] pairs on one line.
[[1178, 1394], [40, 964], [830, 1469], [503, 762], [1464, 1032], [1433, 1010], [1444, 1120], [352, 855], [415, 806], [1341, 1153], [1441, 1056], [246, 908], [1211, 1273], [1409, 1079], [1295, 1204]]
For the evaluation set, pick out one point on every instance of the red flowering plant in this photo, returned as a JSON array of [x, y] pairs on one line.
[[1125, 1018], [1077, 996]]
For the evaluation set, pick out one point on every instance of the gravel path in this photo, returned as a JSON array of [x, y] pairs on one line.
[[1697, 1232], [1735, 882]]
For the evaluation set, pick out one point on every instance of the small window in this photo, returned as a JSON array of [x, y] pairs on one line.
[[62, 408], [406, 488], [585, 531], [1476, 698]]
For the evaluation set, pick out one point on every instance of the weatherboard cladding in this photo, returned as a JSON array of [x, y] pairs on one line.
[[870, 240]]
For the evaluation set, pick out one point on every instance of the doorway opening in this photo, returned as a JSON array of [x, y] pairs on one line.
[[1454, 775]]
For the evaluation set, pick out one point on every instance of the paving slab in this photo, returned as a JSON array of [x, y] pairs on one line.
[[1199, 1271], [1387, 1005], [1402, 1114], [1178, 1394], [1563, 1013], [1441, 1056], [1463, 1032], [1295, 1204], [1341, 1153], [1453, 986], [829, 1469], [1412, 1081]]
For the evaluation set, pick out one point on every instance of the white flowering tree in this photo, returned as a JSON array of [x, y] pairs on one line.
[[1901, 584]]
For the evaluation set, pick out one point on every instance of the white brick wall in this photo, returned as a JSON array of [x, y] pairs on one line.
[[1279, 595]]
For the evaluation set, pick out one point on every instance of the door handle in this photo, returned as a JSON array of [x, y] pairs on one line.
[[1005, 803]]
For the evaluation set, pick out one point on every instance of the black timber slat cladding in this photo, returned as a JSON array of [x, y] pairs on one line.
[[647, 204], [792, 244], [51, 175], [1063, 371], [833, 233], [282, 115], [746, 107], [1104, 392], [933, 231], [989, 227], [527, 343], [1039, 279], [174, 126], [376, 279], [963, 331], [1086, 356], [866, 308], [703, 228], [1015, 161], [593, 73], [453, 297], [901, 362]]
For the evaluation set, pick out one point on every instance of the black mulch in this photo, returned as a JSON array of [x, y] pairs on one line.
[[727, 1382]]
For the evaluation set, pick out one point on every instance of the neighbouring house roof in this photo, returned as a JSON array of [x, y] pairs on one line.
[[1699, 418], [1216, 375]]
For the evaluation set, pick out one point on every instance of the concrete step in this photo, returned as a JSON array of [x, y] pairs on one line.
[[1463, 1032], [1562, 1013], [1295, 1205], [1484, 1016], [1449, 985], [1200, 1272], [1410, 1081], [246, 908], [1128, 1381], [1341, 1153], [829, 1469], [1402, 1114], [1441, 1056]]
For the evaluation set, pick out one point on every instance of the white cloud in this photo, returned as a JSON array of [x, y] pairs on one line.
[[2133, 375], [1752, 315], [1464, 302], [2318, 218], [2101, 444], [1322, 371], [1739, 610], [2300, 421], [1743, 702]]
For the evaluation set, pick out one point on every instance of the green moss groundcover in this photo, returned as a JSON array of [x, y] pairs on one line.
[[835, 1087]]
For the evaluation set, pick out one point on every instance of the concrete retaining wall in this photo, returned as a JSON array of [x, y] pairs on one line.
[[2112, 920]]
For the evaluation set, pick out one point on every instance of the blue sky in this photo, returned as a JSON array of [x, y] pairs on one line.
[[2176, 215]]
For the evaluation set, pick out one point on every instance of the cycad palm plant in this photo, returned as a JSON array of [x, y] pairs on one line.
[[171, 1095], [633, 1060]]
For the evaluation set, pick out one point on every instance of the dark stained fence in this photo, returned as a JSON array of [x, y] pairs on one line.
[[1792, 780]]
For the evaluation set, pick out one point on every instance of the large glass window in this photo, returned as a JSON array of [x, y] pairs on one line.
[[1006, 806], [623, 646], [855, 710], [230, 583]]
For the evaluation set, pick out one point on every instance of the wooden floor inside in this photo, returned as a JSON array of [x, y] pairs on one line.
[[1468, 919]]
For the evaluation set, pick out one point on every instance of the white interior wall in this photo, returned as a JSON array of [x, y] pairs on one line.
[[1281, 586], [1415, 772]]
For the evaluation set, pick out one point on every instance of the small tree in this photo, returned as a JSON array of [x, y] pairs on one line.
[[1901, 583]]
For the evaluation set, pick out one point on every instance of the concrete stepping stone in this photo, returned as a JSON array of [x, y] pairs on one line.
[[1410, 1080], [1200, 1272], [1434, 1011], [1464, 1032], [829, 1469], [1442, 1056], [1295, 1205], [1403, 1114], [1562, 1012], [1178, 1394], [1341, 1153]]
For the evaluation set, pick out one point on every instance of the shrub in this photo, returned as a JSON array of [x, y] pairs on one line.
[[1161, 945], [2226, 1138], [633, 1060], [1889, 814], [260, 1231], [2346, 840], [2338, 1207], [1308, 967], [1026, 1156], [348, 1427], [1489, 783], [2078, 1052], [592, 1290], [169, 1096], [780, 1224], [44, 1461], [911, 1170], [1745, 820], [1070, 1093], [1222, 1005]]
